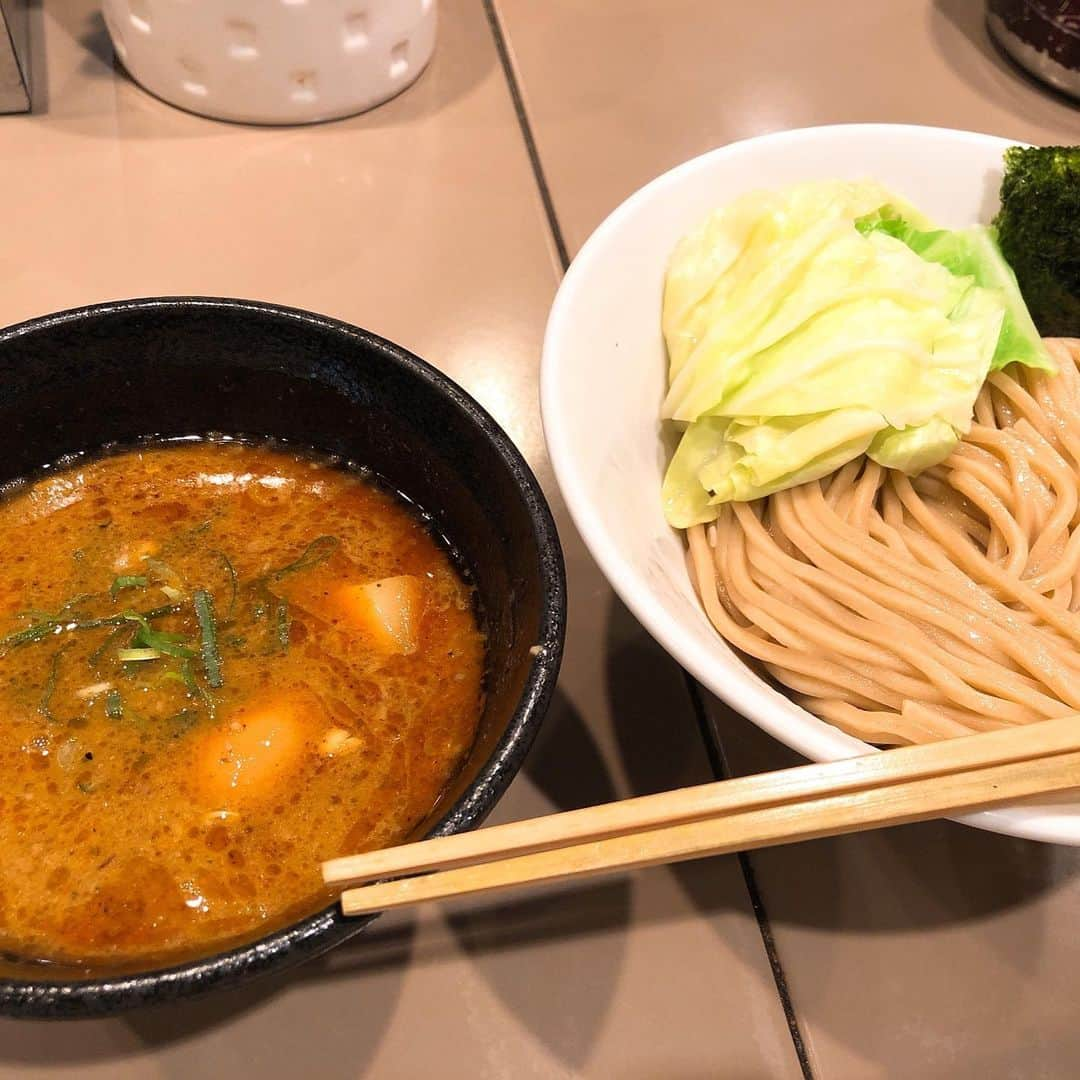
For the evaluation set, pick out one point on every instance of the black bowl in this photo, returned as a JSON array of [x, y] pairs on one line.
[[121, 372]]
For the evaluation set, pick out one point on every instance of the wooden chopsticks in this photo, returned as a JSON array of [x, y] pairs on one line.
[[891, 787]]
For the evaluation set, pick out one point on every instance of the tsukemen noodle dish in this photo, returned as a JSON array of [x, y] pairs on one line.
[[878, 448], [220, 663]]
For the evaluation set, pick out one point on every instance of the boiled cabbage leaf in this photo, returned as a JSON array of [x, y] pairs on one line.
[[971, 252], [804, 328]]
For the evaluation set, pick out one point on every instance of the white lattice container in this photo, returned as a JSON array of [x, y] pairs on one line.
[[273, 61]]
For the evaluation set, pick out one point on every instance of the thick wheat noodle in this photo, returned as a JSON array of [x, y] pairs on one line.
[[899, 537], [750, 643], [778, 613], [889, 583], [984, 410], [841, 481], [840, 536], [906, 610], [1004, 485], [865, 495], [807, 685], [1025, 490], [1045, 464], [982, 570], [980, 471], [1056, 474], [795, 663], [1020, 401], [1052, 497], [1056, 423], [818, 602], [915, 543], [971, 661], [892, 509], [997, 513], [921, 724], [1048, 410], [971, 667], [1010, 623]]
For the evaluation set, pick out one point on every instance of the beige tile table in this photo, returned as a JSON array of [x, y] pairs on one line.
[[924, 952], [422, 221]]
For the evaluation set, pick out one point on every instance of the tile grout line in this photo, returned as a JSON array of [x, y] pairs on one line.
[[713, 750], [527, 133], [719, 766]]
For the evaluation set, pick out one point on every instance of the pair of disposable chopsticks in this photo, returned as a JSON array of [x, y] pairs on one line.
[[890, 787]]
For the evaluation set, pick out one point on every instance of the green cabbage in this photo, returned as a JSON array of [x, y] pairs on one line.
[[973, 253], [810, 326]]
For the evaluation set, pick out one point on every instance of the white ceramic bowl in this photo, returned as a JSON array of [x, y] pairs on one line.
[[273, 61], [603, 378]]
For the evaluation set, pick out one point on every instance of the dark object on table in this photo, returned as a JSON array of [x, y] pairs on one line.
[[1038, 229], [14, 57], [1042, 36], [119, 372]]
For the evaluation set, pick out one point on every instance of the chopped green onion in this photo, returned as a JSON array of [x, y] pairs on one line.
[[95, 624], [127, 581], [187, 673], [164, 643], [282, 623], [318, 551], [75, 601], [95, 658], [137, 656], [234, 584], [187, 676], [120, 620], [211, 657], [160, 612], [60, 623], [37, 632], [50, 686], [114, 705], [35, 615], [171, 593], [160, 640], [134, 616]]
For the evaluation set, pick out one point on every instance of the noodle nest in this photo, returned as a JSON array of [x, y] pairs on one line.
[[904, 610]]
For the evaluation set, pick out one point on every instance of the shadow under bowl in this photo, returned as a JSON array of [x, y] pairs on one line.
[[121, 372]]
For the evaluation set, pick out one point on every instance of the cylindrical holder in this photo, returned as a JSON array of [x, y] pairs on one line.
[[1042, 36], [273, 61]]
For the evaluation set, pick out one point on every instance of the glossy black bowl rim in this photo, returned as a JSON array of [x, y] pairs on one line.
[[49, 999]]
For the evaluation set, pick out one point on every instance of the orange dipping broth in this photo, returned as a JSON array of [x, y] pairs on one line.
[[220, 664]]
